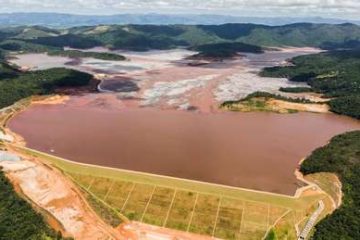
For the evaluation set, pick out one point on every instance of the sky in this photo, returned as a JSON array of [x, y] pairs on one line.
[[345, 9]]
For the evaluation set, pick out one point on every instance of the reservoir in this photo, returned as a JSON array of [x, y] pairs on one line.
[[252, 150]]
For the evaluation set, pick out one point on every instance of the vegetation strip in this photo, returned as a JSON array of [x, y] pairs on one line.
[[147, 204], [216, 218], [171, 204], [128, 196], [192, 212], [83, 54]]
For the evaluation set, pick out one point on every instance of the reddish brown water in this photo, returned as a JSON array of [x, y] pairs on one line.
[[253, 150]]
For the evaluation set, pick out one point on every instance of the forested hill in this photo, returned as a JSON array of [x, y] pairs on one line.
[[162, 37], [342, 157], [17, 85], [145, 37], [336, 74]]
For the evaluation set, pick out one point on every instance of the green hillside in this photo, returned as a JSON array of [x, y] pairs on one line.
[[145, 37], [225, 49], [19, 86], [302, 35], [82, 54], [336, 74], [340, 156]]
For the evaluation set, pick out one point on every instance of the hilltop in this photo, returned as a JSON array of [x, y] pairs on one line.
[[146, 37]]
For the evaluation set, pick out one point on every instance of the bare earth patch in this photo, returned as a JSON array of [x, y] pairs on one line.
[[150, 232], [274, 105], [51, 100], [283, 106], [51, 191]]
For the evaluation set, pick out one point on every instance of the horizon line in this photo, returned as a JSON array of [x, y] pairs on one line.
[[176, 14]]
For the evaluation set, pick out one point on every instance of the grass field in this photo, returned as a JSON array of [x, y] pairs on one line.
[[328, 182], [186, 210], [213, 210]]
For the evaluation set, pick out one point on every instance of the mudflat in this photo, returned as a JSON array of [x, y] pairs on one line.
[[164, 79], [252, 150]]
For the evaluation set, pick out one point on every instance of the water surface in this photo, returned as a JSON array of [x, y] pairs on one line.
[[252, 150]]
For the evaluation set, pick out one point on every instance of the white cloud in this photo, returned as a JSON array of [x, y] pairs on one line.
[[332, 8]]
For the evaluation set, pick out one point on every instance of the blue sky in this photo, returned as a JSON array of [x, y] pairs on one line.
[[347, 9]]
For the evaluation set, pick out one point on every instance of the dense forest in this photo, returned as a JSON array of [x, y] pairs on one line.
[[82, 54], [67, 40], [295, 89], [39, 82], [336, 74], [7, 71], [18, 221], [225, 50], [119, 39], [340, 156], [11, 45], [265, 95], [347, 44]]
